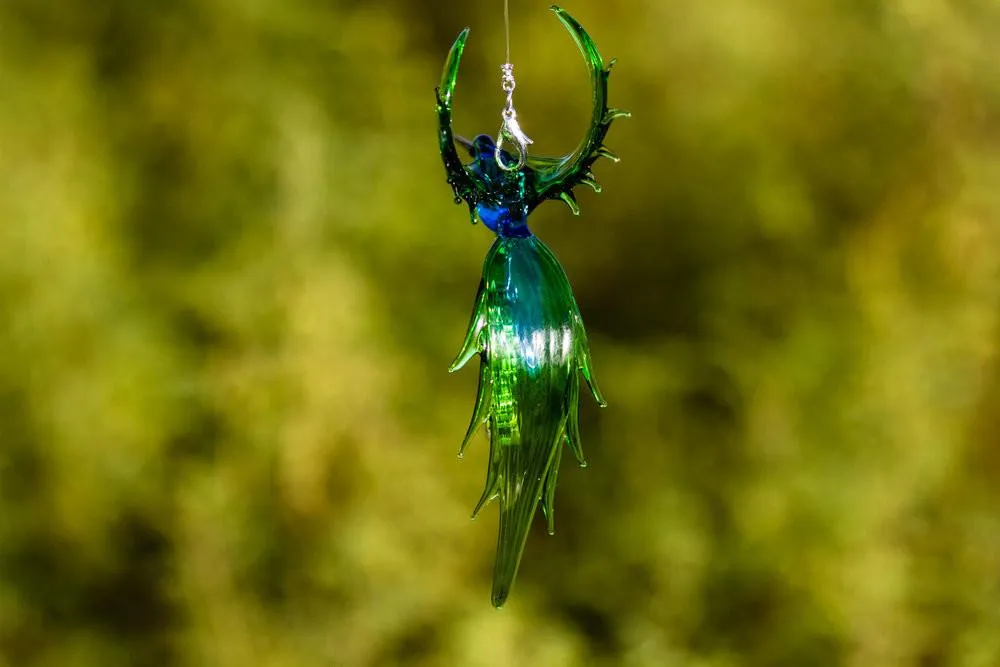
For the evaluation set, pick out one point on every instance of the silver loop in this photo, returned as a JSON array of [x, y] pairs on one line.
[[522, 152], [507, 78]]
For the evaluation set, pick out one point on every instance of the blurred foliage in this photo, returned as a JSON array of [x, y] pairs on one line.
[[232, 277]]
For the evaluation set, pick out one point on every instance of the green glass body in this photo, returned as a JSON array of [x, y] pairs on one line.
[[527, 330]]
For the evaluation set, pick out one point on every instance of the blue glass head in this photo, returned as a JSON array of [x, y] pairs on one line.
[[504, 209]]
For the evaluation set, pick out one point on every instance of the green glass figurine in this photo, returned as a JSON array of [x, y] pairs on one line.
[[525, 326]]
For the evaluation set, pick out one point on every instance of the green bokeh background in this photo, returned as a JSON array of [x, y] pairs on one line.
[[232, 278]]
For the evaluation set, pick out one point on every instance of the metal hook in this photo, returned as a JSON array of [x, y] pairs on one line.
[[510, 129]]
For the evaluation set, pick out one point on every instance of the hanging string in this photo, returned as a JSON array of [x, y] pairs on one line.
[[510, 130], [506, 27]]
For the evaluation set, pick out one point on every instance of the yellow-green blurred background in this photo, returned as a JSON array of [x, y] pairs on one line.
[[232, 278]]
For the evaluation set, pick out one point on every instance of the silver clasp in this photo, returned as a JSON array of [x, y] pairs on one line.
[[510, 129]]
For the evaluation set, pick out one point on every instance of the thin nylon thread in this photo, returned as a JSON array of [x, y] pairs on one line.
[[506, 26]]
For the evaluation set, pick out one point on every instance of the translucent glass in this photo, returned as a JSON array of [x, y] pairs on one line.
[[525, 326]]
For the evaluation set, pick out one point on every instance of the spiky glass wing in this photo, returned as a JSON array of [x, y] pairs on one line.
[[555, 178], [460, 179]]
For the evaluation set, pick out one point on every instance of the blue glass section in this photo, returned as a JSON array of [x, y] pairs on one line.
[[503, 222], [505, 212]]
